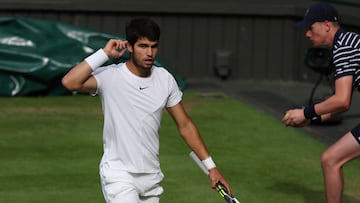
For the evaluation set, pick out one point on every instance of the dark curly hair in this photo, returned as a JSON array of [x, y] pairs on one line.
[[140, 28]]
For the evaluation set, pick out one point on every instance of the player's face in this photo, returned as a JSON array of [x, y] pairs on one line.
[[318, 33], [144, 53]]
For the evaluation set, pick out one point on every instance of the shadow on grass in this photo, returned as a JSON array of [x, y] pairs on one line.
[[309, 195]]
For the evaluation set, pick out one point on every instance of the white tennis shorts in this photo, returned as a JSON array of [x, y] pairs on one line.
[[120, 186]]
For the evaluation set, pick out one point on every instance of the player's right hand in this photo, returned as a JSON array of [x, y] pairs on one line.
[[115, 48]]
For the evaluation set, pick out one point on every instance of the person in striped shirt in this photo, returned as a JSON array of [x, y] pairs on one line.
[[321, 22]]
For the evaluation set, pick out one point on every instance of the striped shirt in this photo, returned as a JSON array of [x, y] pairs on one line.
[[346, 55]]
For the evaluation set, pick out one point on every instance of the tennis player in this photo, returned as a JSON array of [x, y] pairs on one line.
[[322, 24], [133, 96]]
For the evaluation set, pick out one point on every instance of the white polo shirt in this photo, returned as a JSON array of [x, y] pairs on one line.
[[132, 108]]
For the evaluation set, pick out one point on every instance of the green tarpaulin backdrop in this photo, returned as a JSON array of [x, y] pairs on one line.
[[35, 54]]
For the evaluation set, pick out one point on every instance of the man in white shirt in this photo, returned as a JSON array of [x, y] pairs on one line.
[[133, 95]]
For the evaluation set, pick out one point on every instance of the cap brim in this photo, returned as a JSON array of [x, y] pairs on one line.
[[302, 24]]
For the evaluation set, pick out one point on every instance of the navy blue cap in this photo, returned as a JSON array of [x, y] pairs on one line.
[[318, 12]]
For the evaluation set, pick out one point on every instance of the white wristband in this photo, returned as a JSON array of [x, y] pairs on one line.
[[209, 163], [97, 59]]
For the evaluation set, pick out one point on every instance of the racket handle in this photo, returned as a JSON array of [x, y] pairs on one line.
[[224, 193]]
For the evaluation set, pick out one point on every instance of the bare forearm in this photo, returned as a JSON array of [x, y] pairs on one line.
[[338, 102], [192, 137], [79, 78], [333, 105]]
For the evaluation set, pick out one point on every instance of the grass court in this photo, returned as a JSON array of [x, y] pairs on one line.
[[51, 148]]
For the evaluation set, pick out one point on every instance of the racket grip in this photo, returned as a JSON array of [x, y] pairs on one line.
[[224, 193]]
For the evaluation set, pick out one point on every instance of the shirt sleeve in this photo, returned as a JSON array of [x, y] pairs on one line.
[[175, 95], [99, 74], [345, 64], [346, 60]]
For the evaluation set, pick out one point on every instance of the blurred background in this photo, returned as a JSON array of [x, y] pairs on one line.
[[221, 40]]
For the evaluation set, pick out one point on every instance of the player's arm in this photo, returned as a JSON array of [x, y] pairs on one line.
[[339, 102], [191, 136], [188, 130], [80, 79]]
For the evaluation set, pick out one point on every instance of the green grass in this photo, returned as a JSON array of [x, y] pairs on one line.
[[51, 148]]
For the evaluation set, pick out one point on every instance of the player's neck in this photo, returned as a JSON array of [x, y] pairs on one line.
[[138, 70]]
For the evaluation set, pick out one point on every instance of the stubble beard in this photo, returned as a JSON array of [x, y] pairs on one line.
[[143, 70]]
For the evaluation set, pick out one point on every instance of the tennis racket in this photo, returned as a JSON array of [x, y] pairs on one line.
[[219, 186]]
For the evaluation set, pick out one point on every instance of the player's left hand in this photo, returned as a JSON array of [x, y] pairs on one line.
[[215, 176]]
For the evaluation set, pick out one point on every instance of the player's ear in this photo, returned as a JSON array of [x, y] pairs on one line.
[[327, 26]]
